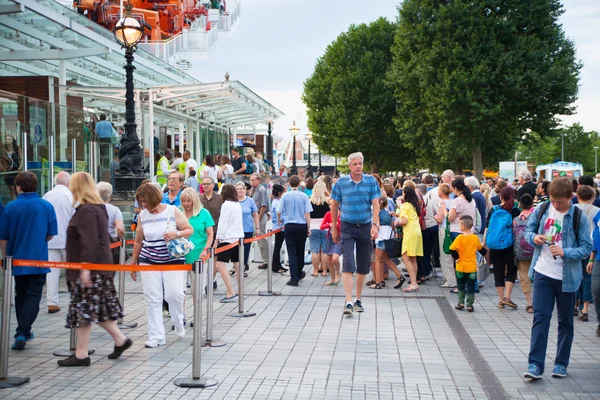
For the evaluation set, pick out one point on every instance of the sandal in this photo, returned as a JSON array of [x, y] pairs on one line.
[[314, 274], [232, 272], [331, 283], [371, 282], [529, 309], [470, 309], [281, 270], [382, 283], [459, 306], [455, 291], [583, 316], [375, 286], [500, 305], [400, 283], [411, 288]]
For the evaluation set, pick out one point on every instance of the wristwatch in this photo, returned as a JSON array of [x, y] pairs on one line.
[[178, 234], [377, 225]]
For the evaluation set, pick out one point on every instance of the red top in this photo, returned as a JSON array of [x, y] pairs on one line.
[[326, 224]]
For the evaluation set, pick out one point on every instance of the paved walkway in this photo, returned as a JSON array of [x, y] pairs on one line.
[[298, 346]]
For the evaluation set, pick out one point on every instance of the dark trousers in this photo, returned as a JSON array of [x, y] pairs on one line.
[[436, 252], [279, 238], [28, 294], [547, 291], [465, 282], [429, 239], [503, 261], [295, 242], [247, 246]]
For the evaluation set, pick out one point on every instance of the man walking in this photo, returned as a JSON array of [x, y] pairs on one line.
[[62, 201], [357, 196], [261, 198], [238, 163], [188, 164], [26, 226]]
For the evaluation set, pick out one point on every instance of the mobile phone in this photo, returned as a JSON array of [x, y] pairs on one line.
[[550, 244]]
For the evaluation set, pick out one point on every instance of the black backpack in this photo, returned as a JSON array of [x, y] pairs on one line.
[[576, 218]]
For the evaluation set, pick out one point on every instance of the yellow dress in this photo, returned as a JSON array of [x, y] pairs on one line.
[[412, 241]]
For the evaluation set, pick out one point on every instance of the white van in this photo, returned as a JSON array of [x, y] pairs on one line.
[[559, 169]]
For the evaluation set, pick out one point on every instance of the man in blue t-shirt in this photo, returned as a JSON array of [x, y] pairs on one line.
[[26, 226]]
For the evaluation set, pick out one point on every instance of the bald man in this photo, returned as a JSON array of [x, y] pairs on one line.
[[61, 199]]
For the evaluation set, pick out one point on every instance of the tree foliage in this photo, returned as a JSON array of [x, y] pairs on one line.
[[350, 106], [473, 78]]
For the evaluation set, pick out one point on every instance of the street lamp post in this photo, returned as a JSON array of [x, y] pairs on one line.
[[320, 170], [270, 141], [294, 131], [596, 159], [562, 147], [309, 136], [128, 32]]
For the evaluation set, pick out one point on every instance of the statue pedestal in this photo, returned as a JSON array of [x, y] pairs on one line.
[[126, 186]]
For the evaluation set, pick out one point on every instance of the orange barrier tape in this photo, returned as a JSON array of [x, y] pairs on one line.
[[130, 242], [257, 238], [225, 248], [102, 267], [115, 245]]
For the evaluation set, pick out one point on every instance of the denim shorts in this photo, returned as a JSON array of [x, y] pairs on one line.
[[380, 245], [318, 240]]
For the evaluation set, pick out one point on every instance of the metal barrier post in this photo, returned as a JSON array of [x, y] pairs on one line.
[[269, 291], [74, 156], [122, 258], [5, 380], [210, 271], [240, 275], [196, 381]]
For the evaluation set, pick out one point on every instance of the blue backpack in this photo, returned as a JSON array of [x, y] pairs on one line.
[[499, 234]]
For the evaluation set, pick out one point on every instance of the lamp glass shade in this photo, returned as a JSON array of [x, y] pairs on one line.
[[294, 129], [309, 135], [128, 31]]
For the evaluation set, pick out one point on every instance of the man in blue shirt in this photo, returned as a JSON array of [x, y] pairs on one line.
[[294, 209], [104, 129], [174, 184], [357, 196], [26, 226]]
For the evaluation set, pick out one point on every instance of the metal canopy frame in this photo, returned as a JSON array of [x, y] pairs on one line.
[[220, 105], [91, 54]]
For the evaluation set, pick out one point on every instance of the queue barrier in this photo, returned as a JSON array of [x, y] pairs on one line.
[[196, 381]]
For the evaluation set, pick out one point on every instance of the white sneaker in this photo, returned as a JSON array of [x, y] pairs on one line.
[[154, 343], [180, 332], [448, 285]]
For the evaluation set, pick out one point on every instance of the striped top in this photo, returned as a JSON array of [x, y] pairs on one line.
[[154, 248], [355, 198]]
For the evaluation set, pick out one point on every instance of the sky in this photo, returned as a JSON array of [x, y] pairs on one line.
[[276, 43]]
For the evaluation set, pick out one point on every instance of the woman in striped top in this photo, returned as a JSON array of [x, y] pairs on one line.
[[157, 224]]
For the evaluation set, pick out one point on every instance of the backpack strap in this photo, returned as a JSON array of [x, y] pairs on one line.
[[576, 221], [543, 208]]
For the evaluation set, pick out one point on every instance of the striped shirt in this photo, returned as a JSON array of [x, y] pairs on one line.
[[355, 198], [154, 248]]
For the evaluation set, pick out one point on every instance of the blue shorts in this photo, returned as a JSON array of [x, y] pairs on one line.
[[333, 248], [380, 245], [317, 240]]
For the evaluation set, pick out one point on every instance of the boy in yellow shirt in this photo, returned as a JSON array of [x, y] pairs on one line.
[[464, 251]]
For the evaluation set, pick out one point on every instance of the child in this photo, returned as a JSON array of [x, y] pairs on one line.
[[332, 250], [381, 256], [464, 250], [192, 181], [523, 250]]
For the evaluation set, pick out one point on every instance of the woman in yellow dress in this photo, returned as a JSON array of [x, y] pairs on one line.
[[412, 241]]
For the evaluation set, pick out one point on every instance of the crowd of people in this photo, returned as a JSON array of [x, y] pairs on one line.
[[546, 234]]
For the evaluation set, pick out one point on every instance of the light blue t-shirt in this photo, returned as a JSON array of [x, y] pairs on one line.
[[293, 206], [248, 207], [274, 204]]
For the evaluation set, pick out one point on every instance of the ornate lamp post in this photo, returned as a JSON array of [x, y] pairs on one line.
[[320, 169], [128, 32], [270, 141], [294, 131]]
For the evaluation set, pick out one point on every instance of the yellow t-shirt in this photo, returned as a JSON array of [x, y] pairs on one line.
[[466, 246]]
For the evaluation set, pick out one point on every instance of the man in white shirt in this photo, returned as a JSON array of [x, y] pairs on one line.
[[61, 199], [190, 163]]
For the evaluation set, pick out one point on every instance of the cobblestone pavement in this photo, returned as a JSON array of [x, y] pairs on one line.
[[298, 346]]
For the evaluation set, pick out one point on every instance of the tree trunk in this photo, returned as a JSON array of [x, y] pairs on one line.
[[477, 163], [374, 167]]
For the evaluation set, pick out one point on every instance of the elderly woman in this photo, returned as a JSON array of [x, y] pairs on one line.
[[158, 223], [116, 229], [93, 294], [250, 221]]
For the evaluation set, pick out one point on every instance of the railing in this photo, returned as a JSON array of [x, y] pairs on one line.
[[164, 49], [228, 21], [200, 40]]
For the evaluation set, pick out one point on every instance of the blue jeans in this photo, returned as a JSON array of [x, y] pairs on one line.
[[28, 294], [596, 289], [585, 290], [547, 291]]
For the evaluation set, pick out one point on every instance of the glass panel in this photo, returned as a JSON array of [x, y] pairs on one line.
[[10, 148]]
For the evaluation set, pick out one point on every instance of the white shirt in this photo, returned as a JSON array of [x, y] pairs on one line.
[[114, 214], [193, 164], [211, 172], [231, 227], [552, 231], [176, 162], [62, 200], [227, 170], [165, 167]]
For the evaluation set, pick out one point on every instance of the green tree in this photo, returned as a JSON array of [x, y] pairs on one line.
[[350, 106], [473, 78], [579, 146]]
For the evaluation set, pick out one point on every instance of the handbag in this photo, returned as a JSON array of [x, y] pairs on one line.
[[447, 237], [393, 246], [483, 270], [178, 247]]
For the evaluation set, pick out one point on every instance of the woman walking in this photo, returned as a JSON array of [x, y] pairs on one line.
[[446, 260], [505, 269], [381, 255], [201, 221], [159, 223], [412, 241], [317, 236], [226, 169], [93, 294], [249, 219]]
